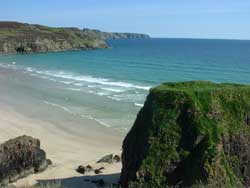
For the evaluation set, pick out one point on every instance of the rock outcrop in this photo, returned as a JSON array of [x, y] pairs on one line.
[[20, 157], [18, 37], [190, 133]]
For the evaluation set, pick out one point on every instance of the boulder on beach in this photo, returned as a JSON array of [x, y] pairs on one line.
[[84, 169], [106, 159], [99, 170], [110, 159], [81, 169], [20, 157], [190, 133]]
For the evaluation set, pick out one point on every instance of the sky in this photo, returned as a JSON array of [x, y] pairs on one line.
[[226, 19]]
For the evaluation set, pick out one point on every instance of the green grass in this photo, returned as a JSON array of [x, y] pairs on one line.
[[53, 39], [182, 127]]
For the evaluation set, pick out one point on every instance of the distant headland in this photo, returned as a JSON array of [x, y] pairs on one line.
[[18, 37]]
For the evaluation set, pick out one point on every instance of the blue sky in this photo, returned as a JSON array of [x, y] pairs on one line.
[[159, 18]]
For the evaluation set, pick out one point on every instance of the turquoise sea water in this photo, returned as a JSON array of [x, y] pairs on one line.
[[110, 85]]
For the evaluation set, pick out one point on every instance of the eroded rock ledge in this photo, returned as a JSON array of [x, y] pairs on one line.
[[20, 157]]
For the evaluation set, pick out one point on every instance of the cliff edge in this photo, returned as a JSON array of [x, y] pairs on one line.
[[190, 133]]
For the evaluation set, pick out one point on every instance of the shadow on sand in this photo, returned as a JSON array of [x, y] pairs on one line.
[[83, 181]]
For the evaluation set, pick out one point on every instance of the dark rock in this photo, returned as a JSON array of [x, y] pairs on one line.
[[98, 171], [187, 133], [110, 159], [20, 157], [247, 119], [237, 146], [117, 159], [89, 168], [102, 168], [106, 159], [49, 162], [81, 169]]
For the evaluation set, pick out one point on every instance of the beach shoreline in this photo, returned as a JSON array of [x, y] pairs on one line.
[[67, 147]]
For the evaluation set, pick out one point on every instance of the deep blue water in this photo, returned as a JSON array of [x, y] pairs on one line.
[[123, 74]]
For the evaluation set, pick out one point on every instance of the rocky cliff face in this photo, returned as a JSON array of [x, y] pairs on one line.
[[20, 157], [105, 35], [190, 133], [26, 38]]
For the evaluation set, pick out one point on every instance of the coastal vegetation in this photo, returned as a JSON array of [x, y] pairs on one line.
[[18, 37], [188, 135]]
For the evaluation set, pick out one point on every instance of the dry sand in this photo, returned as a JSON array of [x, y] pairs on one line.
[[66, 150]]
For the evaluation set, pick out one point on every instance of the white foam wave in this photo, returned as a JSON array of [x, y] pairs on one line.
[[138, 104], [114, 98], [52, 79], [65, 82], [83, 116], [91, 86], [101, 93], [97, 120], [8, 66], [126, 85], [58, 106], [79, 84], [90, 79], [113, 89], [129, 97], [74, 89], [29, 69], [101, 122]]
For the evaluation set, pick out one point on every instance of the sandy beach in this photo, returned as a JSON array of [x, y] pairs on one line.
[[65, 149]]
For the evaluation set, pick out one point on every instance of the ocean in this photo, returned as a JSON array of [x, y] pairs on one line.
[[109, 86]]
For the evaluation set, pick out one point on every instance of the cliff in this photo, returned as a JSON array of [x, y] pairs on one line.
[[20, 157], [27, 38], [19, 37], [190, 133], [105, 35]]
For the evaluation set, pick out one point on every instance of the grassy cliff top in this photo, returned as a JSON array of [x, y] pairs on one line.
[[197, 86], [16, 30], [190, 132]]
